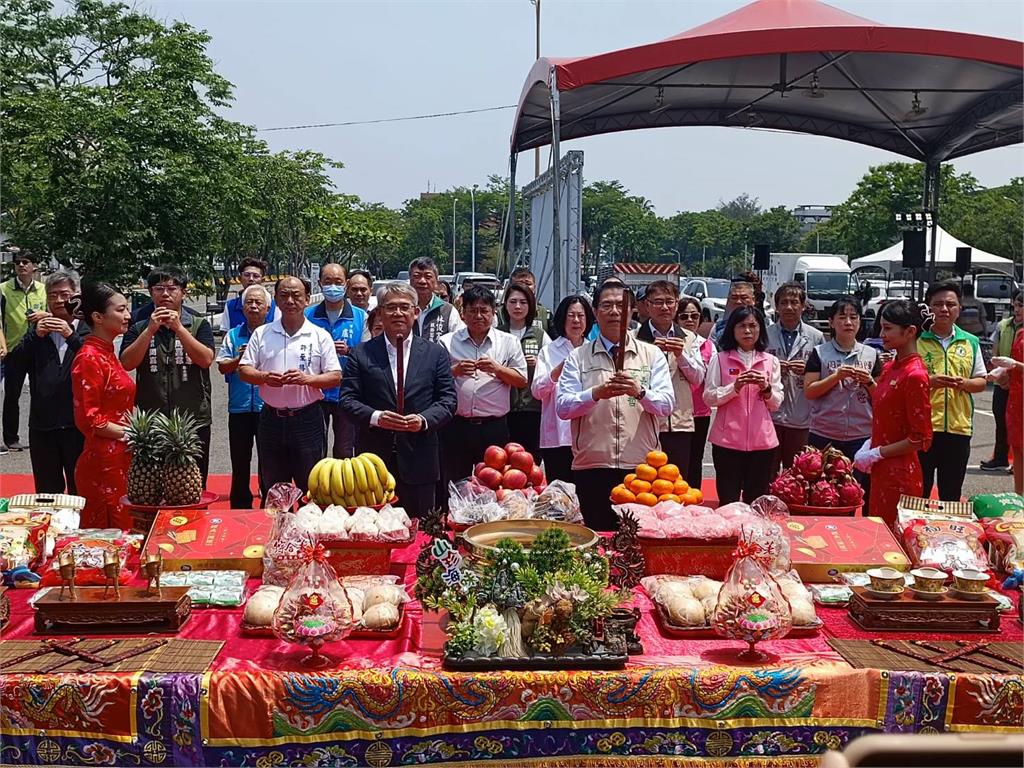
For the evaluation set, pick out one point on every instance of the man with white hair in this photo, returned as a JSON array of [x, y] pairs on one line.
[[244, 401]]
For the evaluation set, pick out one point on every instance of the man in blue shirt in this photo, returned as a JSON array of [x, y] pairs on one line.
[[250, 272], [244, 402], [345, 323]]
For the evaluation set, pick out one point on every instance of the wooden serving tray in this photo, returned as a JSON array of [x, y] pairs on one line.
[[541, 661], [707, 631], [134, 612], [909, 614], [5, 607]]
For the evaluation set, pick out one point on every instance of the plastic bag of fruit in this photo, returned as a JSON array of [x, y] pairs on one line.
[[470, 503], [751, 605], [282, 555], [558, 502]]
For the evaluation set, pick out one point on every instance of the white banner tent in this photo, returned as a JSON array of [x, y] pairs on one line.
[[891, 259]]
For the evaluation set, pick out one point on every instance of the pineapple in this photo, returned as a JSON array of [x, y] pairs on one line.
[[146, 472], [183, 482]]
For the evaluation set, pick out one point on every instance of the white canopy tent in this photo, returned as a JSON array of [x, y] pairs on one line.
[[891, 259]]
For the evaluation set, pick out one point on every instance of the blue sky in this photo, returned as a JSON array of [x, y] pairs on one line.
[[323, 62]]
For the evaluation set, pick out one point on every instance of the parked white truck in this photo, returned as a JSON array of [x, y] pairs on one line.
[[825, 276]]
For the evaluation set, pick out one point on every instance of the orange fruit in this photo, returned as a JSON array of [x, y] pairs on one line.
[[698, 495], [669, 472], [622, 495], [640, 486], [680, 487], [647, 499], [657, 458], [629, 479], [646, 472], [661, 487], [669, 497]]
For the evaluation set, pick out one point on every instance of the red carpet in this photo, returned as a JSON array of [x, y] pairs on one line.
[[11, 485]]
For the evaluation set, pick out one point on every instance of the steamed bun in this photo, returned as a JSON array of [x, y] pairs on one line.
[[381, 616], [685, 612]]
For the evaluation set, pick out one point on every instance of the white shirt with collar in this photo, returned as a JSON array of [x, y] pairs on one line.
[[60, 342], [484, 395], [272, 350], [393, 360]]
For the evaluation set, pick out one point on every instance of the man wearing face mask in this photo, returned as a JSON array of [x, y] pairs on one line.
[[345, 323]]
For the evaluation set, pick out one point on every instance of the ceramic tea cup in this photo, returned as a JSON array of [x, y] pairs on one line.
[[970, 580], [928, 579], [885, 579]]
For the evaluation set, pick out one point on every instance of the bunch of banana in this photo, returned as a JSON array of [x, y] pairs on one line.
[[363, 481]]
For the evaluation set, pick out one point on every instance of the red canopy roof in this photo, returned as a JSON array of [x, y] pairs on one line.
[[797, 65]]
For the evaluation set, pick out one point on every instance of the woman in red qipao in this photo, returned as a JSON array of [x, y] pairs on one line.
[[1015, 406], [104, 395], [902, 420]]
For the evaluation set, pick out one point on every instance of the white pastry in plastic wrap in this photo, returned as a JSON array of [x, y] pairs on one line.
[[307, 519], [334, 522], [706, 588], [397, 513], [260, 607], [357, 597], [392, 525], [685, 612], [384, 593], [364, 528], [381, 616], [803, 612]]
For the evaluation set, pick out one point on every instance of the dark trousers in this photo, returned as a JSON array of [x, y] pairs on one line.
[[1001, 450], [742, 472], [242, 431], [948, 459], [15, 371], [557, 463], [694, 471], [464, 442], [289, 446], [344, 430], [594, 487], [54, 454], [848, 449], [524, 428], [417, 500], [676, 445], [791, 441]]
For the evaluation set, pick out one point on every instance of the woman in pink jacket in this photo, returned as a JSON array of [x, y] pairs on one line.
[[745, 383]]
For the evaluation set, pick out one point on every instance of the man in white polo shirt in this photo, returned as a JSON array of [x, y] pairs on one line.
[[293, 362], [487, 364]]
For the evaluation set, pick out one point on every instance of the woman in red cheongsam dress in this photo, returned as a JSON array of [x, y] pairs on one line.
[[1015, 406], [902, 420], [104, 395]]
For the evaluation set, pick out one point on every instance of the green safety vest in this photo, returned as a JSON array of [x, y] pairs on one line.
[[167, 379], [17, 304]]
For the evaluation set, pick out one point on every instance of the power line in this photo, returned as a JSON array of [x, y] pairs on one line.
[[387, 119]]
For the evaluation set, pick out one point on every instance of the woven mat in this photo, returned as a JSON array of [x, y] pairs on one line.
[[865, 654], [194, 656]]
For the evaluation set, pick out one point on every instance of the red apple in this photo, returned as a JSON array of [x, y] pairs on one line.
[[479, 465], [490, 477], [540, 488], [514, 478], [522, 461], [495, 457], [536, 476], [501, 494], [511, 448]]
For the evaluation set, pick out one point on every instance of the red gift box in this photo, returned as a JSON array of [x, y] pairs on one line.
[[211, 540], [823, 546]]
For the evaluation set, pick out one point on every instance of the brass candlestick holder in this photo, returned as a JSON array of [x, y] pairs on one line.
[[152, 565], [66, 565], [111, 572]]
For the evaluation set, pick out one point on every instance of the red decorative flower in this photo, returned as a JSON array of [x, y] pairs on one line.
[[99, 754]]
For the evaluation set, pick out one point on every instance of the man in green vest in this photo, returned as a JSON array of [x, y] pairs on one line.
[[23, 301], [172, 351], [1002, 340]]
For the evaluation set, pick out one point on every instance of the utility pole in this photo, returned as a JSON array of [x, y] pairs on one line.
[[536, 151], [472, 197]]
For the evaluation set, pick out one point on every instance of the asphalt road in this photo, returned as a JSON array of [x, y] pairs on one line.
[[220, 463]]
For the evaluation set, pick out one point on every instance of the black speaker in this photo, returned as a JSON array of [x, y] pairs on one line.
[[913, 249], [963, 260], [762, 255]]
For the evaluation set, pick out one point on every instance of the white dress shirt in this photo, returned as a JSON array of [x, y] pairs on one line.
[[393, 360], [554, 432], [60, 342], [574, 401], [715, 394], [484, 395], [272, 350]]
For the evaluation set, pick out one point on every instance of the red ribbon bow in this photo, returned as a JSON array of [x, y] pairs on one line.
[[311, 552], [746, 548]]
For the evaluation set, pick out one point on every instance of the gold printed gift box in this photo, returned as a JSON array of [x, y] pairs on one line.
[[823, 546]]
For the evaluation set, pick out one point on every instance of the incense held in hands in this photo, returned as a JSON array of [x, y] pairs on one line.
[[400, 373], [620, 352]]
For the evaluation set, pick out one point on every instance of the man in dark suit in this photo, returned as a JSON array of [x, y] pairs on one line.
[[406, 438], [49, 349]]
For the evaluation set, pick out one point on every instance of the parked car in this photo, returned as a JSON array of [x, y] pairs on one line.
[[711, 292]]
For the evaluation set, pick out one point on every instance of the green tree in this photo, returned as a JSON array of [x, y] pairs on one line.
[[741, 208], [776, 227], [618, 226]]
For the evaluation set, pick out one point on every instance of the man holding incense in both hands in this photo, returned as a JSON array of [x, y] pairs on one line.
[[398, 394], [616, 403]]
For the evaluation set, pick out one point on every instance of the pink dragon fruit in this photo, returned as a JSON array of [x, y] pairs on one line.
[[849, 490], [809, 464], [836, 464], [823, 494], [789, 488]]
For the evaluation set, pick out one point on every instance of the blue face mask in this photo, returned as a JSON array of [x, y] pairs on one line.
[[334, 292]]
